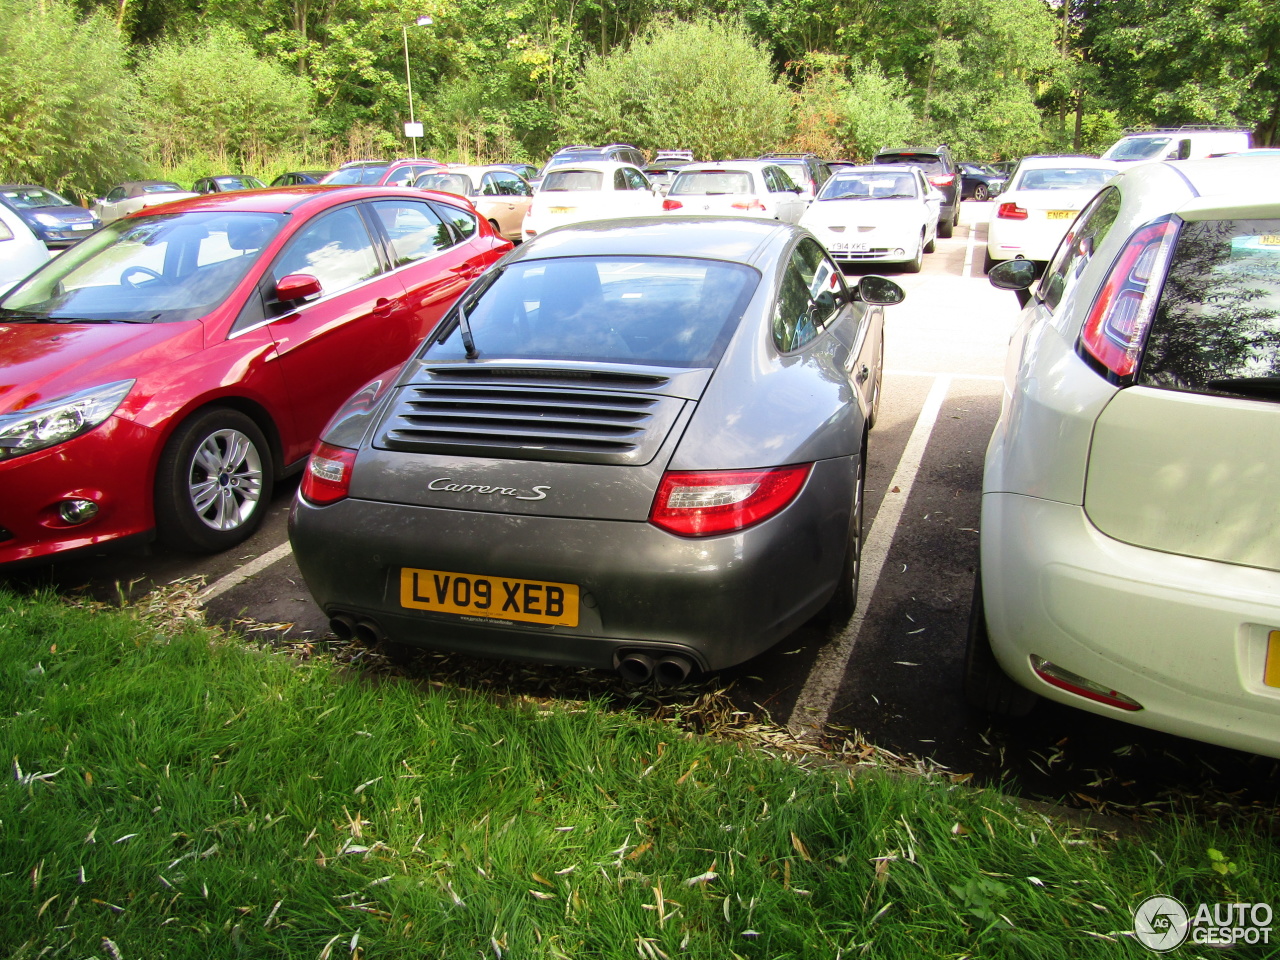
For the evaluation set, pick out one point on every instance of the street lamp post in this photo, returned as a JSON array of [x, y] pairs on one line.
[[423, 21]]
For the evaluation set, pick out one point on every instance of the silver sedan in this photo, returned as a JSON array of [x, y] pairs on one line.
[[635, 445]]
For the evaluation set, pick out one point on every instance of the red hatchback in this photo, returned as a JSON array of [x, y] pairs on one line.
[[158, 377]]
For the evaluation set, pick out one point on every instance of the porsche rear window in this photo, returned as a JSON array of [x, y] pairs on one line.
[[661, 311], [1217, 327]]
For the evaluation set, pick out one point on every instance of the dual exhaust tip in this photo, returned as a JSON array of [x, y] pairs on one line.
[[347, 628], [668, 670]]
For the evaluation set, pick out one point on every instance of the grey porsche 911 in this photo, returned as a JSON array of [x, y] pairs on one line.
[[635, 445]]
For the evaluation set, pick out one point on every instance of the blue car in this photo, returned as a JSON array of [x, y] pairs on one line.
[[55, 220]]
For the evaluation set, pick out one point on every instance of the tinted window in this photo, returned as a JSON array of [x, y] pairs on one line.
[[1140, 148], [711, 182], [928, 162], [370, 173], [162, 268], [1078, 246], [635, 178], [23, 197], [334, 248], [572, 180], [463, 223], [413, 229], [458, 183], [665, 311], [1062, 178], [870, 185], [809, 296], [1217, 327]]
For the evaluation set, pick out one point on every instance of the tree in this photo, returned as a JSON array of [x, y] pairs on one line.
[[215, 97], [703, 85], [65, 96], [1170, 62]]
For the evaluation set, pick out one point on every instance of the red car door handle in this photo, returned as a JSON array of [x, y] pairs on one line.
[[382, 306]]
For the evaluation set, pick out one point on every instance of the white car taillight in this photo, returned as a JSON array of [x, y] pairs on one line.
[[1123, 309]]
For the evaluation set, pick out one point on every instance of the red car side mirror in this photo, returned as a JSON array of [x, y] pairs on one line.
[[297, 286]]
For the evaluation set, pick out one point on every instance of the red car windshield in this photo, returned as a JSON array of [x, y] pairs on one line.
[[157, 269]]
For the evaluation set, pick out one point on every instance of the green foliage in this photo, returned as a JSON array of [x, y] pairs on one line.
[[703, 85], [214, 96], [65, 98], [878, 114], [1169, 62]]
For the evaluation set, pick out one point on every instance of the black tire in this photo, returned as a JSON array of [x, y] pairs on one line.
[[496, 229], [988, 261], [980, 192], [840, 608], [945, 227], [874, 414], [915, 263], [986, 686], [213, 482], [932, 245]]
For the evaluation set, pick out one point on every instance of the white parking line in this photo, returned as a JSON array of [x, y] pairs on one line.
[[814, 703], [240, 574], [966, 270], [941, 373]]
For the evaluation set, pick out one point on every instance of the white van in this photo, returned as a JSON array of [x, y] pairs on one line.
[[1178, 143]]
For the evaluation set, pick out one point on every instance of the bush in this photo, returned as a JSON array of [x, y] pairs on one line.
[[65, 97], [214, 96], [705, 86]]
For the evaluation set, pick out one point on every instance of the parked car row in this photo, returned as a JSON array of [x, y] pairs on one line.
[[609, 447]]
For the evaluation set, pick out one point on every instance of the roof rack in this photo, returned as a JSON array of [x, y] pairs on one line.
[[1187, 128]]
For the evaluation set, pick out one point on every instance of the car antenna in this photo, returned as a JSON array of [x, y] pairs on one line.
[[464, 325]]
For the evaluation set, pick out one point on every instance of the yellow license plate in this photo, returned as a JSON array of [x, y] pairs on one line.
[[1271, 673], [1059, 214], [1269, 240], [493, 598], [561, 209]]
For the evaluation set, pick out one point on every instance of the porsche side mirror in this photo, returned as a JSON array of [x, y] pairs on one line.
[[297, 286]]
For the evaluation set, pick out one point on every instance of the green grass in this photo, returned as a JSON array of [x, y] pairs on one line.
[[188, 796]]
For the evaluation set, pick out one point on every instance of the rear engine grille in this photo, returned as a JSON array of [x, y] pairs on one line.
[[530, 422]]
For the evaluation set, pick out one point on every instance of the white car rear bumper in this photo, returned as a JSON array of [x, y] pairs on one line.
[[1185, 638]]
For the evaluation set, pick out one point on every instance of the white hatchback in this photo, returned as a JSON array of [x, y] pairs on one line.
[[21, 251], [1130, 541], [1043, 196], [590, 190], [736, 188], [874, 214]]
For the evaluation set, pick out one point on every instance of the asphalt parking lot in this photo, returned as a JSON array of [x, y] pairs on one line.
[[891, 680]]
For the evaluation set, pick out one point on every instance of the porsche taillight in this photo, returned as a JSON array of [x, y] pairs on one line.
[[327, 478], [709, 502], [1123, 308]]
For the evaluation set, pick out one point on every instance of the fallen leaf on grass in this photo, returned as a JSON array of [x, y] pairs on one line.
[[800, 848], [543, 896]]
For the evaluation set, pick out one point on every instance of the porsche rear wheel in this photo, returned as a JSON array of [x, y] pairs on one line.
[[840, 608]]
